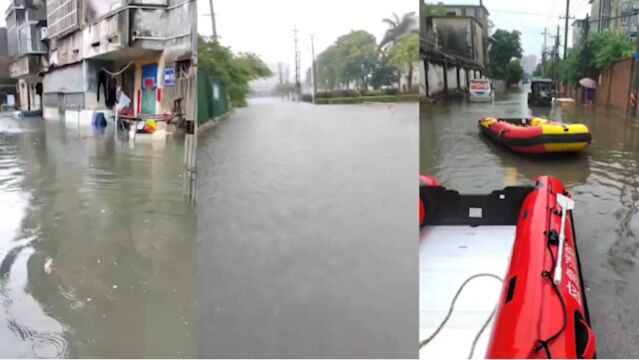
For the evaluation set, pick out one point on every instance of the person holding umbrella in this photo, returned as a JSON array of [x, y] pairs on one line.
[[589, 86]]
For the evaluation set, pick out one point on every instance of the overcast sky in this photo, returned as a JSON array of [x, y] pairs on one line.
[[266, 27], [4, 4], [530, 17]]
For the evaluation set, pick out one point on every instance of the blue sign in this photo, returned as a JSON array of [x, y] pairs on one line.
[[169, 77], [637, 56]]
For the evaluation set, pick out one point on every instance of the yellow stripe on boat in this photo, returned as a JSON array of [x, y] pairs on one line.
[[566, 129], [565, 147]]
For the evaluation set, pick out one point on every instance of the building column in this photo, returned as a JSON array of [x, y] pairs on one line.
[[426, 76], [467, 79], [458, 80], [445, 79]]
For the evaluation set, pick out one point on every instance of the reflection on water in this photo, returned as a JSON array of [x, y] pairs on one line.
[[604, 182], [97, 245]]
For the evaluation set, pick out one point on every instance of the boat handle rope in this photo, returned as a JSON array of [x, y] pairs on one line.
[[450, 312]]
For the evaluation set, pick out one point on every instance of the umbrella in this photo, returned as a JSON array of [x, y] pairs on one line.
[[588, 83]]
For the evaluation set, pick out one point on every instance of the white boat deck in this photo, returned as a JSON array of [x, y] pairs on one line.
[[448, 255]]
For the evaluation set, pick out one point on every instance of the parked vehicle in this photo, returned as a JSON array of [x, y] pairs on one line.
[[481, 90], [541, 92]]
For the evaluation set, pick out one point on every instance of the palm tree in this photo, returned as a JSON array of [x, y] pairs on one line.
[[398, 27]]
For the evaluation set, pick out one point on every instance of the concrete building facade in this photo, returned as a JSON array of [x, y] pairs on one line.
[[26, 24], [453, 49], [142, 47], [617, 16]]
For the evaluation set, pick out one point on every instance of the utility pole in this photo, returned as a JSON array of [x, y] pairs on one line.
[[313, 69], [600, 17], [298, 83], [213, 21], [555, 58], [632, 103], [566, 28], [543, 54]]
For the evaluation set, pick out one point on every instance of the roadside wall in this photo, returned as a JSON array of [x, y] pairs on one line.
[[614, 85]]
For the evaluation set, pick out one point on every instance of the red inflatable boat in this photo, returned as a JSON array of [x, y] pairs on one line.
[[520, 241], [425, 180], [536, 135]]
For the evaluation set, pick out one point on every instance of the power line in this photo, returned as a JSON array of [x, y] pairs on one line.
[[521, 13]]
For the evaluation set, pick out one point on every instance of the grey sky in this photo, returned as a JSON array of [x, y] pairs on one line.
[[4, 4], [266, 27], [530, 17]]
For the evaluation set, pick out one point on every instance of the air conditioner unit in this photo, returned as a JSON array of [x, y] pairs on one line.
[[44, 33]]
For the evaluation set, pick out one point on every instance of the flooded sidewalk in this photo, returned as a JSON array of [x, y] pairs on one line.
[[97, 245], [604, 181]]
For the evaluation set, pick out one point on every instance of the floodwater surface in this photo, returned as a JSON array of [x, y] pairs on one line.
[[97, 245], [307, 232]]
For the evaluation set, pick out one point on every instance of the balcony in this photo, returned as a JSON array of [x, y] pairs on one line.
[[30, 65]]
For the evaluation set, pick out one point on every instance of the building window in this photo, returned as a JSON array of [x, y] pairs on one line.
[[182, 68]]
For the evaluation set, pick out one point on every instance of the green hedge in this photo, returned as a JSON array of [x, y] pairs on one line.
[[357, 93], [363, 99]]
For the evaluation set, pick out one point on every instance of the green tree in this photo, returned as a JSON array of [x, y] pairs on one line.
[[504, 46], [591, 56], [328, 76], [384, 74], [514, 72], [352, 58], [235, 71], [398, 27], [404, 53]]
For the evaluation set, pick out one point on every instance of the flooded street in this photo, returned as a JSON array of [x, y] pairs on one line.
[[97, 245], [604, 182], [307, 232]]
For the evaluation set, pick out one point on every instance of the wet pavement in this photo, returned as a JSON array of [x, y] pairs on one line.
[[604, 182], [97, 245], [307, 232]]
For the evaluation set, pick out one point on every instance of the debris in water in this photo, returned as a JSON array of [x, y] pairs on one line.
[[47, 265], [104, 316], [99, 261], [103, 211], [115, 286], [89, 299]]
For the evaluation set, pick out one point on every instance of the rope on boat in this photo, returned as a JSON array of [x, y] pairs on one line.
[[450, 312]]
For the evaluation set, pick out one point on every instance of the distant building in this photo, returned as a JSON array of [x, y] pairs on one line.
[[529, 63], [26, 23], [7, 83], [578, 31], [453, 47], [96, 46], [617, 16]]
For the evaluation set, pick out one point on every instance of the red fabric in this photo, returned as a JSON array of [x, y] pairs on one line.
[[535, 312]]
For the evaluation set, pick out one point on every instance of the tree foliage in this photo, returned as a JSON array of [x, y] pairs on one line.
[[514, 71], [398, 27], [233, 70], [384, 75], [591, 56], [352, 58], [404, 53], [504, 46]]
